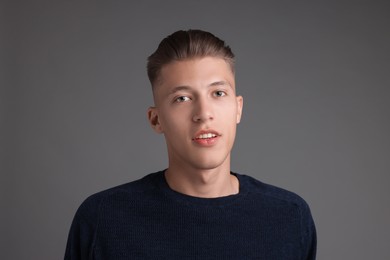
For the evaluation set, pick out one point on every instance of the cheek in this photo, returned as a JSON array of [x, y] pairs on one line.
[[229, 112], [172, 122]]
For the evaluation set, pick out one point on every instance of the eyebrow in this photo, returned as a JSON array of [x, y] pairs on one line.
[[220, 83], [178, 88], [213, 84]]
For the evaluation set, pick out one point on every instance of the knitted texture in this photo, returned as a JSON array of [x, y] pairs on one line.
[[145, 219]]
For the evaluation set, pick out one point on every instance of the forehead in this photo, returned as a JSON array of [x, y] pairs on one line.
[[195, 72]]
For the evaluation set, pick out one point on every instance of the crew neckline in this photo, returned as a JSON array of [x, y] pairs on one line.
[[188, 199]]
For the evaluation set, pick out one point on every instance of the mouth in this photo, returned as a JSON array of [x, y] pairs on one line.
[[206, 138]]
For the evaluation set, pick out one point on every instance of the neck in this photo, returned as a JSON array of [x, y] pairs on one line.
[[203, 183]]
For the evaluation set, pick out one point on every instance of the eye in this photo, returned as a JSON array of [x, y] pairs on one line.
[[219, 93], [181, 99]]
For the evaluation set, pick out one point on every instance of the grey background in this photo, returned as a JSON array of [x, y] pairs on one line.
[[74, 94]]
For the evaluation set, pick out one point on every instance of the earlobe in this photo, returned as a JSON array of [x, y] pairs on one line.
[[240, 104], [154, 119]]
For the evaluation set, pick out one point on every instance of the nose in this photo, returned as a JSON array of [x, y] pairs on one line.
[[202, 111]]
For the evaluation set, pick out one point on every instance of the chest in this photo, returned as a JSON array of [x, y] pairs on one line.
[[170, 231]]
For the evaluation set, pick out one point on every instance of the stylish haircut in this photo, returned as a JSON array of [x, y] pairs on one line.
[[183, 45]]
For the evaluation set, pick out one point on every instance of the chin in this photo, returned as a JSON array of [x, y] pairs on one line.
[[208, 164]]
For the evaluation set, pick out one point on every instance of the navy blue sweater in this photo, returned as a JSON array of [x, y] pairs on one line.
[[145, 219]]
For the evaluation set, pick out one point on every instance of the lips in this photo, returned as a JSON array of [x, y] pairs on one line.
[[206, 137]]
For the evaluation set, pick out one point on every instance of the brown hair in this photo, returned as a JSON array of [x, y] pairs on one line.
[[183, 45]]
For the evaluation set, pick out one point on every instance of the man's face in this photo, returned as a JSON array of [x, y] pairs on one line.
[[197, 110]]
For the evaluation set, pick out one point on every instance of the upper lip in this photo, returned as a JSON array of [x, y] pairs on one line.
[[205, 131]]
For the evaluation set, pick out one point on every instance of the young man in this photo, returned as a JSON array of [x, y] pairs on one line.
[[196, 208]]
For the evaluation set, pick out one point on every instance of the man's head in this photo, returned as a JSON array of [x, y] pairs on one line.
[[196, 106], [184, 45]]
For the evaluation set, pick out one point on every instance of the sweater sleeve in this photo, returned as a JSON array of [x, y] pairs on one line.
[[82, 231], [309, 236]]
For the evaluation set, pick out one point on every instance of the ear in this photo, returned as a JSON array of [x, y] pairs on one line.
[[154, 120], [240, 104]]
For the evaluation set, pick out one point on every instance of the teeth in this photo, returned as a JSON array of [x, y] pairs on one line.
[[204, 136]]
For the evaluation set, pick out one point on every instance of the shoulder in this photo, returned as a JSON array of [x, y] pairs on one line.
[[90, 207], [271, 194], [286, 203], [83, 231]]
